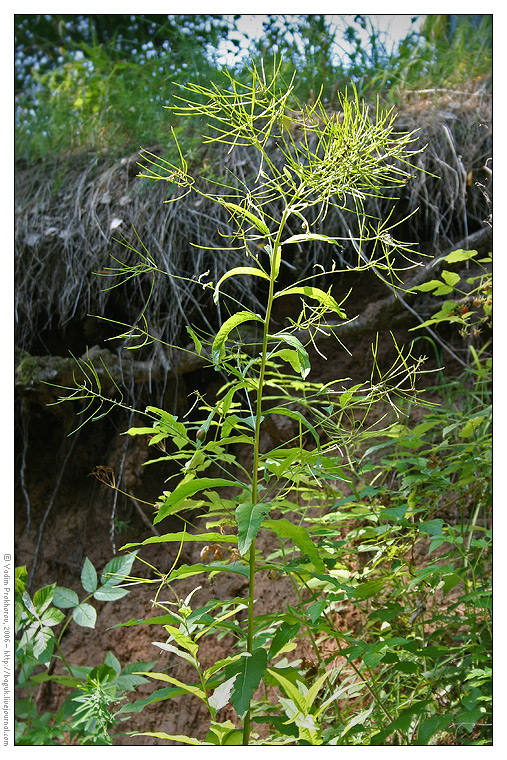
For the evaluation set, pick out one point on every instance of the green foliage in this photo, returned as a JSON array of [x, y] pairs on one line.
[[99, 82], [348, 499], [86, 714]]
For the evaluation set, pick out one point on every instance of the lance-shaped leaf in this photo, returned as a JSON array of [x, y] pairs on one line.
[[238, 270], [249, 670], [305, 236], [218, 347], [249, 518], [184, 536], [324, 299], [186, 490], [258, 223], [285, 529], [188, 688]]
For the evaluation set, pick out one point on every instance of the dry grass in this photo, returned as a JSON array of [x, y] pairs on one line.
[[68, 214]]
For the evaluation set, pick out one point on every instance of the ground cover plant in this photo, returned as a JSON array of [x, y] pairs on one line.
[[351, 495]]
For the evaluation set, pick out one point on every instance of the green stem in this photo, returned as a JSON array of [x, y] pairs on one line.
[[255, 473]]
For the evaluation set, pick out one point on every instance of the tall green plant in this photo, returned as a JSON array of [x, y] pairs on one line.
[[329, 160]]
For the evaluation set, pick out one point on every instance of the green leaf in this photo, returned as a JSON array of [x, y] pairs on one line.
[[43, 598], [222, 694], [110, 593], [118, 569], [184, 536], [369, 589], [187, 688], [238, 270], [42, 641], [249, 518], [85, 615], [249, 671], [427, 286], [89, 579], [52, 616], [283, 635], [184, 491], [20, 579], [187, 571], [450, 278], [285, 529], [290, 689], [432, 726], [218, 347], [197, 342], [304, 359], [174, 738], [304, 237], [258, 223], [459, 255], [65, 598], [290, 356], [324, 299], [470, 427]]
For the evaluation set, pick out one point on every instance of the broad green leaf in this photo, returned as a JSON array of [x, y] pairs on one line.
[[52, 616], [249, 671], [65, 598], [450, 278], [184, 536], [432, 726], [249, 518], [42, 641], [118, 569], [89, 578], [218, 347], [238, 270], [85, 615], [110, 593], [290, 356], [459, 255], [258, 223], [43, 598], [20, 579], [285, 529], [369, 589], [324, 299], [224, 734], [470, 427], [183, 492], [188, 688], [427, 286]]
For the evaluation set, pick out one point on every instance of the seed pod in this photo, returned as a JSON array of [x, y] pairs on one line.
[[201, 434]]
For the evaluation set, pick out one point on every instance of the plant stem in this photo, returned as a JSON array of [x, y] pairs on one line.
[[255, 473]]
